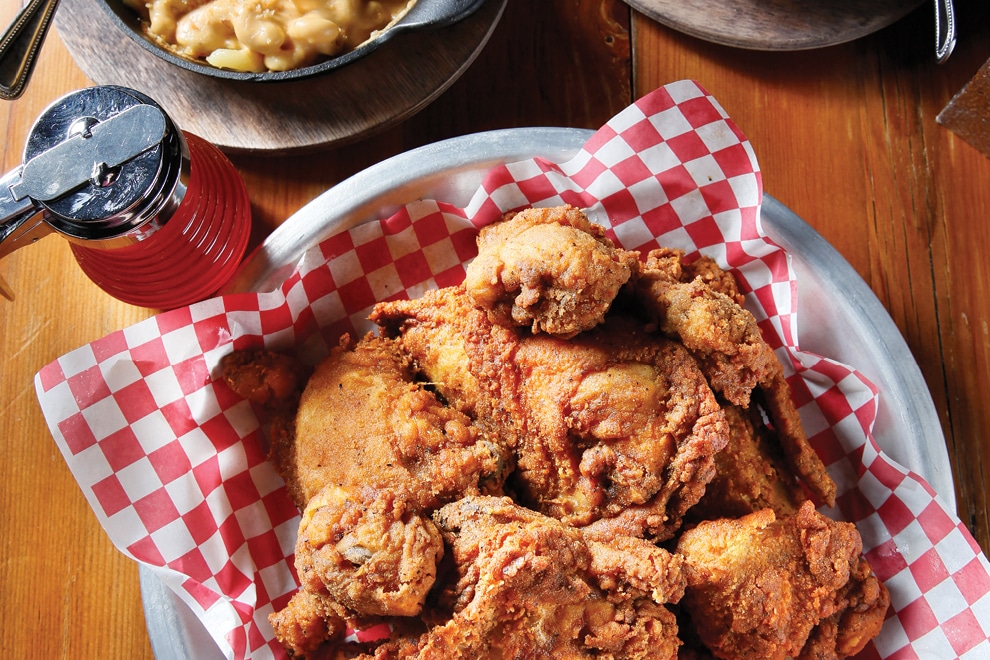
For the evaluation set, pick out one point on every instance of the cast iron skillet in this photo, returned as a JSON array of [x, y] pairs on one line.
[[424, 15]]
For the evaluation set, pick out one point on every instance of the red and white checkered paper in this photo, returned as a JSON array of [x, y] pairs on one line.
[[174, 465]]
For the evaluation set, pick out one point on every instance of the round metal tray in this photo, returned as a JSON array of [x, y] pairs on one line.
[[839, 315]]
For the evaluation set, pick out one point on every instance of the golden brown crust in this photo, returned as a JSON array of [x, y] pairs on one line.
[[362, 421], [549, 269], [368, 552], [759, 586], [701, 309], [618, 424], [530, 586], [614, 423]]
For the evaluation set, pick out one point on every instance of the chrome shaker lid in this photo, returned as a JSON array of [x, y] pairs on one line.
[[103, 162]]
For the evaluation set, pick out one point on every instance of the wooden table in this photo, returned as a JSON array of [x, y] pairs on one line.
[[846, 137]]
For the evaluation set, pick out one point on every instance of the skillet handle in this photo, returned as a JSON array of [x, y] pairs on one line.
[[429, 14]]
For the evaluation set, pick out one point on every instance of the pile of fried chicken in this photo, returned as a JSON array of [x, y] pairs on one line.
[[575, 453]]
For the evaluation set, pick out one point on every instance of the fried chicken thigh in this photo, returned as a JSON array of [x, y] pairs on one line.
[[617, 426], [363, 421], [761, 587], [549, 269], [614, 423]]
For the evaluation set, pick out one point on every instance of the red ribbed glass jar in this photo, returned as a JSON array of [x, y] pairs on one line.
[[192, 255]]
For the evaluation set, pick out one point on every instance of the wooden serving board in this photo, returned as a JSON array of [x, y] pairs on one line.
[[777, 24], [390, 84]]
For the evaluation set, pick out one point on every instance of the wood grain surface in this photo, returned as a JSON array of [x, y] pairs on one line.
[[846, 137], [776, 24], [371, 94]]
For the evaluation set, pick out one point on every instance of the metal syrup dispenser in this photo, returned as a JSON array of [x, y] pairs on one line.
[[154, 216]]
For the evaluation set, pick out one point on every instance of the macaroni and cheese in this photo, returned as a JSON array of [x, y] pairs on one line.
[[265, 35]]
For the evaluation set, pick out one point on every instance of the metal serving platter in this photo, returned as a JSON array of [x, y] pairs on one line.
[[839, 315]]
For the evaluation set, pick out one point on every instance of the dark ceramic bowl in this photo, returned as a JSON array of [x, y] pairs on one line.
[[424, 15]]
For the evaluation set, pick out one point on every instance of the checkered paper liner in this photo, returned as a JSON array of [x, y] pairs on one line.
[[173, 463]]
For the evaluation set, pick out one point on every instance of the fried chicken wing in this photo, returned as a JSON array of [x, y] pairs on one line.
[[760, 587], [709, 320], [363, 421], [703, 310], [549, 269], [530, 586]]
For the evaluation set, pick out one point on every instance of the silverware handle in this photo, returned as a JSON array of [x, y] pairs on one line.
[[20, 44], [945, 29]]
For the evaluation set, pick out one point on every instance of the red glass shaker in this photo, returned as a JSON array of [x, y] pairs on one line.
[[154, 216]]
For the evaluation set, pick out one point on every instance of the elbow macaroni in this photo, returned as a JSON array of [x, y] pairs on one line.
[[265, 35]]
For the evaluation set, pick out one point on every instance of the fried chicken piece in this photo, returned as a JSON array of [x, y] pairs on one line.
[[306, 624], [368, 551], [709, 320], [760, 587], [703, 310], [613, 423], [362, 420], [549, 269], [617, 426], [265, 377], [530, 586], [750, 473], [441, 330], [357, 556], [274, 382]]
